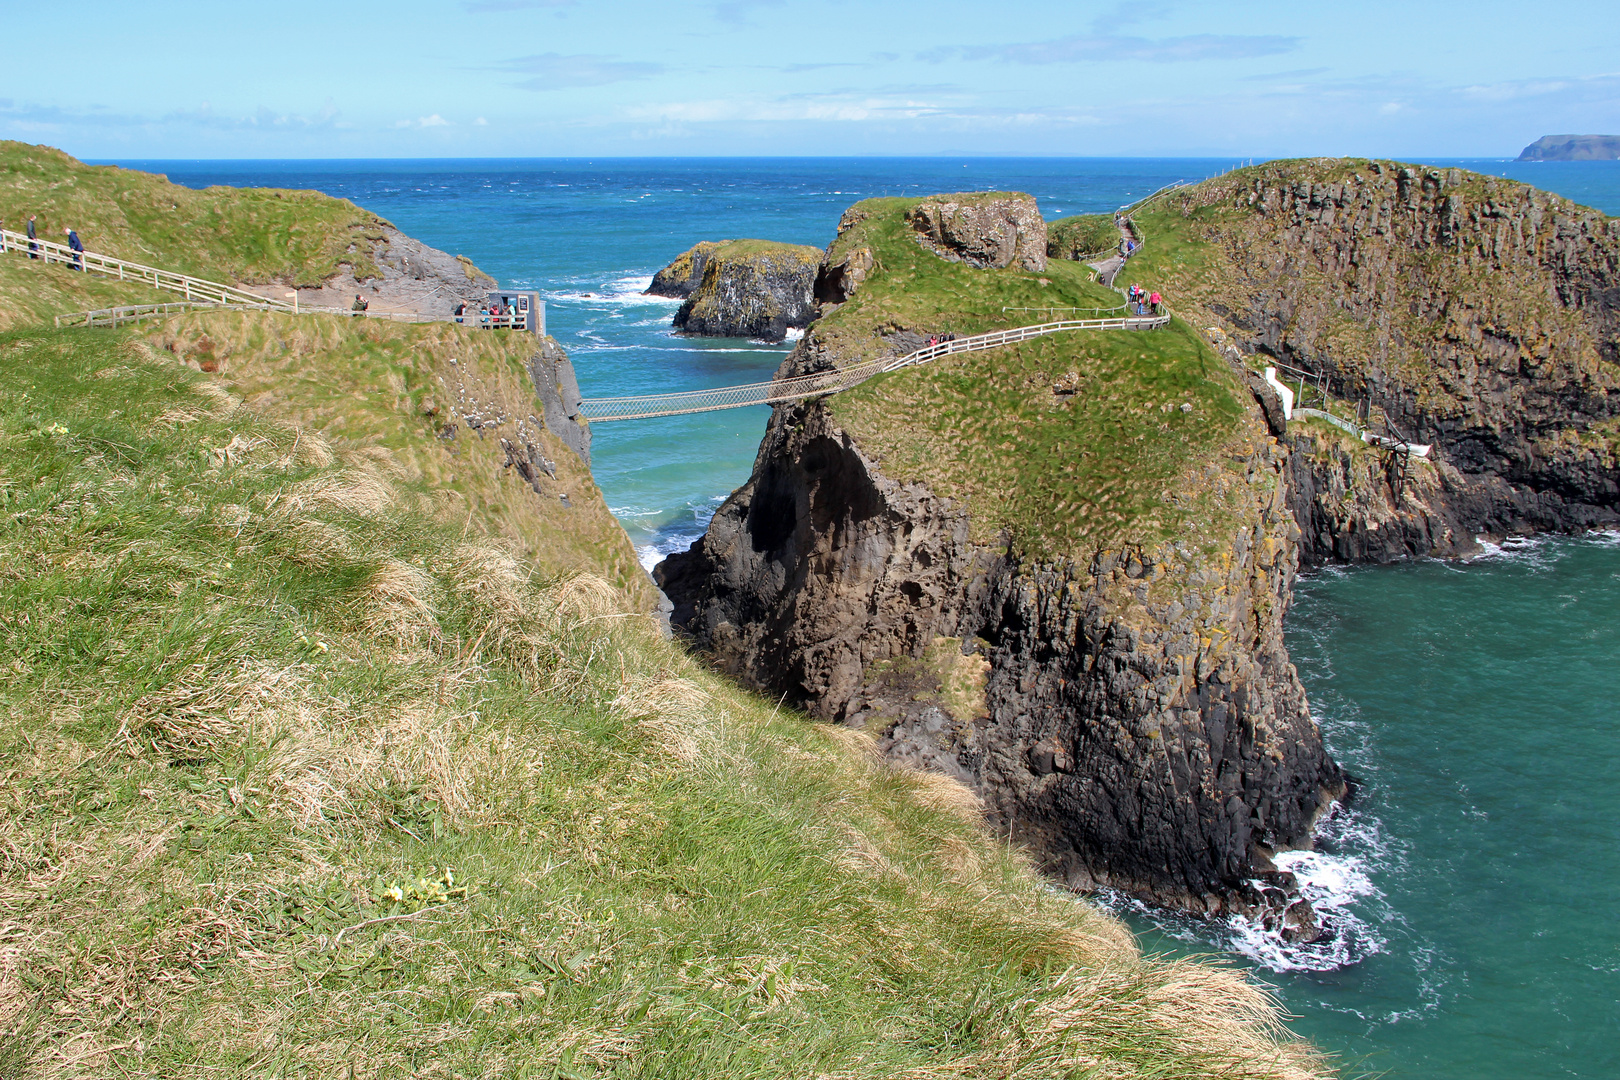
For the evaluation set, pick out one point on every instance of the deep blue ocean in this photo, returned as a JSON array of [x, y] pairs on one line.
[[1472, 882]]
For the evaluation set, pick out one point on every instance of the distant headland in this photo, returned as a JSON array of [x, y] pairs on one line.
[[1573, 148]]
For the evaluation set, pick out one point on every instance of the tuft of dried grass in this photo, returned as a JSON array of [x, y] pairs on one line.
[[205, 708], [400, 604], [937, 791], [221, 403], [586, 596], [672, 711], [352, 491]]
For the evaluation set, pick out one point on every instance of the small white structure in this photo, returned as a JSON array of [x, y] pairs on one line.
[[1283, 392]]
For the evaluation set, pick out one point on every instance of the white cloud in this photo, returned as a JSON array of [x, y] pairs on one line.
[[554, 71], [1105, 47], [433, 121]]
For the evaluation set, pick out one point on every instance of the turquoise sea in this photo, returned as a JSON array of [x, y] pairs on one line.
[[1472, 881]]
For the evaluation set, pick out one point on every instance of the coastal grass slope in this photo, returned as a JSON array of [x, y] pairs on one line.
[[301, 780], [452, 407], [1482, 259], [1069, 443], [249, 235], [32, 292]]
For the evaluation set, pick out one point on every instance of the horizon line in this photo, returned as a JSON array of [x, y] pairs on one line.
[[591, 158]]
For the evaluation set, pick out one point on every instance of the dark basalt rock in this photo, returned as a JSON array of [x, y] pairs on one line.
[[558, 389], [747, 288], [1137, 723]]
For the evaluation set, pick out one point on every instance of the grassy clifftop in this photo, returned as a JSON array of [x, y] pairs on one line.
[[301, 780], [253, 235], [1070, 442], [332, 746], [455, 410]]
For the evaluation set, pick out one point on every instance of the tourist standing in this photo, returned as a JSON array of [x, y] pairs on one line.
[[360, 303], [1154, 300], [78, 249], [33, 248]]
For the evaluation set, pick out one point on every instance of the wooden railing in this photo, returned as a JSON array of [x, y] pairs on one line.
[[201, 293], [134, 313], [193, 288]]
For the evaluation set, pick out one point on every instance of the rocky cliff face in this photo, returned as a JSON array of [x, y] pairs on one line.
[[1475, 314], [1132, 716], [1128, 710], [990, 230], [741, 288], [411, 276], [558, 389]]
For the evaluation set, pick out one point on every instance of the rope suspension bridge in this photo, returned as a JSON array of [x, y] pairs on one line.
[[822, 383], [200, 293]]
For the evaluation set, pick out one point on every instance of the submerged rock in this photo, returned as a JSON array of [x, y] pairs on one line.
[[741, 288]]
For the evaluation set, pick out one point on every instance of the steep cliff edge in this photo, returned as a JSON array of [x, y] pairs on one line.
[[1473, 313], [741, 288], [1056, 571]]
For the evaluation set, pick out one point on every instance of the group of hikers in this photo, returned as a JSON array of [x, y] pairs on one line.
[[1143, 302], [495, 314], [74, 244], [940, 339]]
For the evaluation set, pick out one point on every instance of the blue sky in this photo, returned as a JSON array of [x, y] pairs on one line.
[[539, 78]]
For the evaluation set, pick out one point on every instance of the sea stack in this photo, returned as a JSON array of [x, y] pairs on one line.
[[1055, 571], [741, 288]]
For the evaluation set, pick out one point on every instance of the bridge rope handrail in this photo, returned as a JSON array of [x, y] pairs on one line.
[[821, 383]]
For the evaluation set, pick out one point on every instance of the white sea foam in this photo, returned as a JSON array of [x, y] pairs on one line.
[[625, 291], [795, 333], [656, 539]]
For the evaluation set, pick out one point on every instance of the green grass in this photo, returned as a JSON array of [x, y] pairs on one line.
[[1082, 234], [1118, 460], [1210, 252], [720, 251], [301, 780], [252, 235], [394, 387], [33, 293]]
